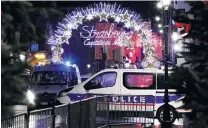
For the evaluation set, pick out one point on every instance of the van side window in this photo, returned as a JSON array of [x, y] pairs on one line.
[[103, 80], [108, 79], [161, 82], [139, 80]]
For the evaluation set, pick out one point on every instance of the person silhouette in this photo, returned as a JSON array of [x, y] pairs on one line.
[[137, 62]]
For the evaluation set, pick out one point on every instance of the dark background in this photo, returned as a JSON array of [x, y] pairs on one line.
[[76, 52]]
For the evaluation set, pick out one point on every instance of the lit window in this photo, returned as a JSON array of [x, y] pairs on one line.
[[138, 80]]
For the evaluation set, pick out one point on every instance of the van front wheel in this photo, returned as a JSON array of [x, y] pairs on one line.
[[159, 114]]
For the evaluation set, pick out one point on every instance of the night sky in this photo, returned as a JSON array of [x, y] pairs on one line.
[[76, 51]]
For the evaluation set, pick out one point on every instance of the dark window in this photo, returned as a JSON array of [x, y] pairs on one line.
[[73, 76], [103, 80], [161, 82], [139, 80], [50, 78]]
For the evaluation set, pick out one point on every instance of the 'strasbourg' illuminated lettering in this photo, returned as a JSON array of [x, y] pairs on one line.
[[89, 34]]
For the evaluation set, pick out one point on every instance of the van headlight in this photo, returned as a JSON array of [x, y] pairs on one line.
[[30, 97], [65, 92], [61, 94]]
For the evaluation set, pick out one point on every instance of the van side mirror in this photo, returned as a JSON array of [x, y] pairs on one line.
[[90, 85]]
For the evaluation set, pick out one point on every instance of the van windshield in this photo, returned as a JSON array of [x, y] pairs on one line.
[[50, 78]]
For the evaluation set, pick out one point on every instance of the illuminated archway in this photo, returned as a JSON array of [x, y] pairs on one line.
[[102, 12]]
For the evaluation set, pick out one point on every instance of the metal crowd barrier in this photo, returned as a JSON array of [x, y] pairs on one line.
[[121, 110], [41, 118], [17, 121], [102, 111]]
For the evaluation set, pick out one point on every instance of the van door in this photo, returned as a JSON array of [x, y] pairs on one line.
[[140, 86], [102, 84]]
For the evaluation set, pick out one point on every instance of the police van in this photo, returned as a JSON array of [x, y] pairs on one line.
[[48, 80], [124, 86]]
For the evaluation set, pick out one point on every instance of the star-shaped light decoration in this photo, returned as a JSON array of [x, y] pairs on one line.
[[136, 27], [78, 18], [127, 24], [118, 19], [103, 16], [113, 15], [64, 39], [66, 36], [89, 17], [59, 41], [70, 26], [126, 16], [144, 37]]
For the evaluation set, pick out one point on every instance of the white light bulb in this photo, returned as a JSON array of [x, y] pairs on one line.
[[160, 31], [159, 5], [89, 17], [136, 27], [88, 66], [118, 19], [22, 57], [157, 18], [70, 26], [159, 25]]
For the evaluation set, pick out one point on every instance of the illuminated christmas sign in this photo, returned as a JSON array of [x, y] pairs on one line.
[[104, 37], [132, 44]]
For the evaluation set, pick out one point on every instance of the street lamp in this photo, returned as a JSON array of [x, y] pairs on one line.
[[164, 4]]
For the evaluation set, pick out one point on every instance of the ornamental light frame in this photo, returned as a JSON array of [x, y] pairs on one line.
[[102, 12]]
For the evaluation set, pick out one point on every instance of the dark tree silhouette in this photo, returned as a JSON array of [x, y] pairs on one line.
[[18, 29], [193, 74]]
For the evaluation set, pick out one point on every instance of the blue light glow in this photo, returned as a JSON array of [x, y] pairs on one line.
[[67, 63], [173, 22]]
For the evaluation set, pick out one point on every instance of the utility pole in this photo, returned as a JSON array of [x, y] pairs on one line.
[[166, 112]]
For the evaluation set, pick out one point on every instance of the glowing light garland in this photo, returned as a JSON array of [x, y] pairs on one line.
[[102, 12]]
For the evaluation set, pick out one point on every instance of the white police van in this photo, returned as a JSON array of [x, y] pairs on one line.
[[133, 84], [48, 80]]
